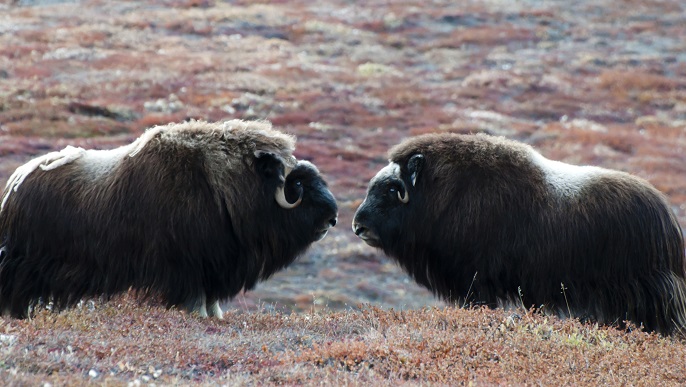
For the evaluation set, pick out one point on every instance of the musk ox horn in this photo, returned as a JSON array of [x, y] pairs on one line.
[[281, 199], [280, 195], [406, 197]]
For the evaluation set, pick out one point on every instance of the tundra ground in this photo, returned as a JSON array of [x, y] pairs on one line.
[[589, 82]]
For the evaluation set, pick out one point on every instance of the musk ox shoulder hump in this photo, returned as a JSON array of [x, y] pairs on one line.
[[563, 180], [243, 137]]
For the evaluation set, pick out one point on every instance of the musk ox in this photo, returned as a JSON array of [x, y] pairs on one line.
[[483, 220], [190, 213]]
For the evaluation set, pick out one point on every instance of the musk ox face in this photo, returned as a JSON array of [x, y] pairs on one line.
[[380, 217], [307, 207], [319, 210], [482, 220], [191, 213]]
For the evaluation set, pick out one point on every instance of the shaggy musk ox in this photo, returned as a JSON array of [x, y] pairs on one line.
[[482, 220], [191, 213]]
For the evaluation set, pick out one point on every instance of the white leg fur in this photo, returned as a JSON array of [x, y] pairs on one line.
[[197, 306], [213, 309]]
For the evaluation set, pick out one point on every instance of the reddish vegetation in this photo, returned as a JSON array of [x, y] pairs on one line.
[[594, 82], [124, 342]]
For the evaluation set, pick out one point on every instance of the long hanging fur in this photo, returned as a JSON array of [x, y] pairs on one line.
[[187, 213], [491, 221]]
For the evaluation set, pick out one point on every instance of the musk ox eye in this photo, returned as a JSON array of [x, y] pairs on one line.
[[396, 191]]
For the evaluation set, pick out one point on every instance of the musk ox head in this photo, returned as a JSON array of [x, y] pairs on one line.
[[379, 217], [191, 213], [482, 220]]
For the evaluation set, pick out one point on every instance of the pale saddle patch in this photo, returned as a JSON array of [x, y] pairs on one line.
[[46, 162], [567, 180]]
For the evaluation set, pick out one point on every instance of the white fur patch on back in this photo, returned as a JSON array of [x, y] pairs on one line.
[[566, 179], [65, 156], [99, 162], [46, 162], [141, 141]]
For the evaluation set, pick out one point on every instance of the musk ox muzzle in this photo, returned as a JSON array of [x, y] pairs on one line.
[[189, 213], [482, 220]]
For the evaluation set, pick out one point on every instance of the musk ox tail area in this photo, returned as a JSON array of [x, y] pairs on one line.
[[190, 213], [482, 220]]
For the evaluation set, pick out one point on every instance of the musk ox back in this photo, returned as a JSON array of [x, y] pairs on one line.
[[191, 213], [485, 220]]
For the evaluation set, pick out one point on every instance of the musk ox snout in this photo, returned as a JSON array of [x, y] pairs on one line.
[[325, 228], [367, 235], [489, 221], [190, 213]]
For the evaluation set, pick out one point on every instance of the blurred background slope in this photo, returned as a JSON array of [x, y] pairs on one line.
[[588, 82]]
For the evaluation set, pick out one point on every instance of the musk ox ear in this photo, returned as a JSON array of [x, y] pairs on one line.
[[270, 165], [414, 166]]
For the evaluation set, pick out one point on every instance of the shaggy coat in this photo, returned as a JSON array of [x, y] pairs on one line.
[[485, 220], [191, 213]]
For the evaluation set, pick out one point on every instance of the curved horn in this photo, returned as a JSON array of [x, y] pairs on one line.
[[281, 199], [404, 198], [280, 195]]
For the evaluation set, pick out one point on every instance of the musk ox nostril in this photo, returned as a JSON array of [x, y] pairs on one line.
[[358, 230], [333, 221]]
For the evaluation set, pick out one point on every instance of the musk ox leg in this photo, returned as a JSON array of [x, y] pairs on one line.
[[196, 306], [213, 309], [10, 311], [203, 307]]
